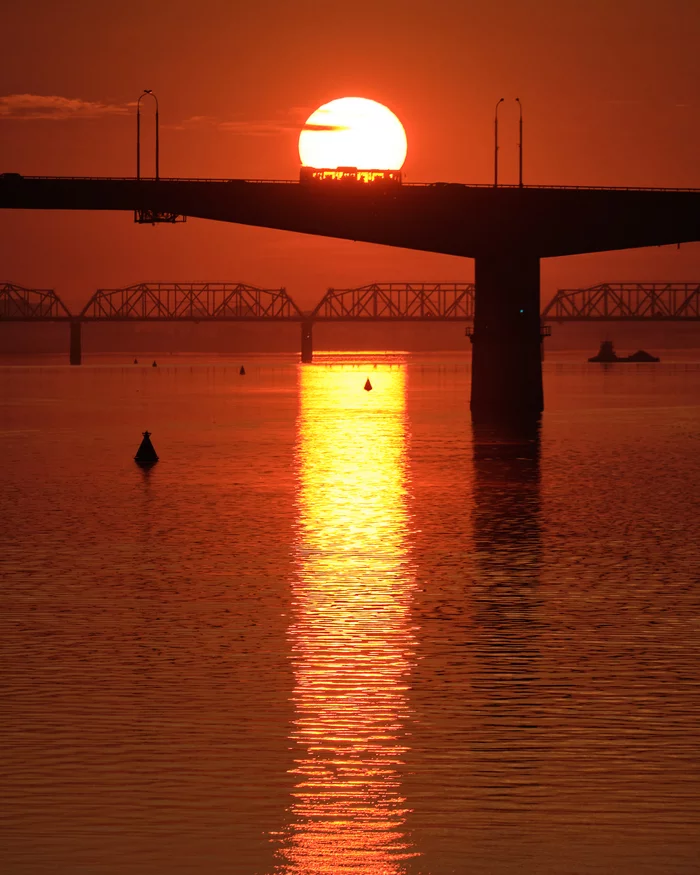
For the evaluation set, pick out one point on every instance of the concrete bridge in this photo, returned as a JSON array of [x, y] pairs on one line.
[[507, 230]]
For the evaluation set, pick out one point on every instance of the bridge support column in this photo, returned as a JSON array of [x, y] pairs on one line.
[[307, 342], [76, 342], [506, 352]]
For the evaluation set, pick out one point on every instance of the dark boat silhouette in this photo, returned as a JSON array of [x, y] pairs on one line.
[[607, 354]]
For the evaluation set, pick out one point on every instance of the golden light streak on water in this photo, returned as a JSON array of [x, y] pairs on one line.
[[352, 641]]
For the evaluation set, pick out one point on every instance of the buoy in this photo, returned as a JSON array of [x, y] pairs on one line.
[[136, 361], [242, 371], [154, 365], [368, 386], [146, 454]]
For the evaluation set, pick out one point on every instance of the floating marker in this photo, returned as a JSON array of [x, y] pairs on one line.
[[146, 454], [242, 371], [136, 361], [368, 386], [154, 365]]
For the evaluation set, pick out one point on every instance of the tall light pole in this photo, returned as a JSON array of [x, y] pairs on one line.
[[146, 91], [520, 145], [495, 145]]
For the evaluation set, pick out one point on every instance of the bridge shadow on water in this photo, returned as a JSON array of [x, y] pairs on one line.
[[506, 514], [505, 736], [506, 531]]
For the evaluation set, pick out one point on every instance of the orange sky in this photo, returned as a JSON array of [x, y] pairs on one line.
[[610, 90]]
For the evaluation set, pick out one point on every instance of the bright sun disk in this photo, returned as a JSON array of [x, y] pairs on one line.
[[353, 132]]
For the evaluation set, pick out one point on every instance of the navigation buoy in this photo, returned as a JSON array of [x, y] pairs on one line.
[[154, 365], [368, 386], [242, 371], [136, 361], [146, 454]]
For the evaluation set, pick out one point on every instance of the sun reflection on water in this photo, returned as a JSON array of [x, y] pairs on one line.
[[351, 635]]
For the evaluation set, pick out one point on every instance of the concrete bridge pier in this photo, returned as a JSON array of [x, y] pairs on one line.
[[307, 342], [76, 342], [507, 342]]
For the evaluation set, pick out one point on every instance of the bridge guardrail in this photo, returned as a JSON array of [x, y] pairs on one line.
[[480, 185]]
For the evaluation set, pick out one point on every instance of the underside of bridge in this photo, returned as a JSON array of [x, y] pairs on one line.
[[506, 230]]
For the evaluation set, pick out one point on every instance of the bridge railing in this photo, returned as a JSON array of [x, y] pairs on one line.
[[18, 304], [194, 302], [626, 301], [397, 302], [485, 185]]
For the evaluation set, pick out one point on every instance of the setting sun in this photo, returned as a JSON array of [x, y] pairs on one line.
[[353, 132]]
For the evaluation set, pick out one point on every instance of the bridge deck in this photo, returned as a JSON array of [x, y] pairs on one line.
[[451, 218]]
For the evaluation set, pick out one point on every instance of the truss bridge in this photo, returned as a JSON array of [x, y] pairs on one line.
[[626, 302], [448, 302], [390, 302], [398, 302], [190, 302], [18, 304]]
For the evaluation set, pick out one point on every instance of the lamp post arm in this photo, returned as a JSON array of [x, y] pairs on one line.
[[149, 93]]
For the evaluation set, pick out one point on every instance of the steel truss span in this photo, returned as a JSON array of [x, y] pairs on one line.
[[18, 304], [191, 302], [632, 302], [396, 302]]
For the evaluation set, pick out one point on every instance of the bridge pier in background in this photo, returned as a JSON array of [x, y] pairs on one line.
[[76, 342], [307, 342], [507, 342]]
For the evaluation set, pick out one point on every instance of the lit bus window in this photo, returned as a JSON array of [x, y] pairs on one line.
[[350, 175]]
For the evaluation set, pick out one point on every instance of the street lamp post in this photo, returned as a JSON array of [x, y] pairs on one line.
[[520, 145], [146, 91], [495, 145], [146, 214]]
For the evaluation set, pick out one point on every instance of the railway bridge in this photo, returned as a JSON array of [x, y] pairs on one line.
[[626, 302], [238, 302], [447, 302]]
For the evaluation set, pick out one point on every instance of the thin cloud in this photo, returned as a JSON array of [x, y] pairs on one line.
[[264, 128], [308, 127], [291, 121], [28, 107], [194, 121]]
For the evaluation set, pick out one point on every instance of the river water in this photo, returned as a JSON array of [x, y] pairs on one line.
[[337, 631]]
